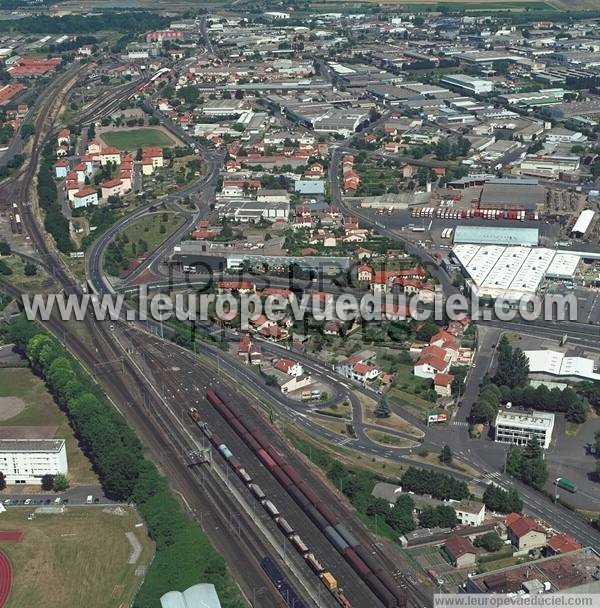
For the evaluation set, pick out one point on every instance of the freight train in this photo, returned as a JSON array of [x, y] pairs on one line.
[[359, 558], [286, 528]]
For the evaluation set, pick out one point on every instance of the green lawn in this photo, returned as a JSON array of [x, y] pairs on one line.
[[132, 139], [41, 410], [77, 558]]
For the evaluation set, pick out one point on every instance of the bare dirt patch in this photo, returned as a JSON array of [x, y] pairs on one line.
[[10, 407]]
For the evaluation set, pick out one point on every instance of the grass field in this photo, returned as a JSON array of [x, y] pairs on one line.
[[391, 440], [132, 139], [41, 410], [77, 558]]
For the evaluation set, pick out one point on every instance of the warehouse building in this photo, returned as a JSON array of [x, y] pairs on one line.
[[468, 84], [511, 193], [26, 461], [494, 271], [518, 428], [555, 363], [583, 223], [492, 235]]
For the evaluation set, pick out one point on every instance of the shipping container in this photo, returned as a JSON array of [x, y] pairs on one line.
[[329, 581]]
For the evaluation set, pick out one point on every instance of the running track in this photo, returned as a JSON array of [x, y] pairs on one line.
[[5, 578]]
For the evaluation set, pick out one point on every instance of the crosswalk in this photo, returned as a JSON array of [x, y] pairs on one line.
[[459, 423]]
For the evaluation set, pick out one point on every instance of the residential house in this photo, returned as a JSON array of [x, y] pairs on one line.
[[442, 384], [61, 168], [358, 367], [461, 551], [112, 187], [365, 273], [249, 352], [110, 154], [525, 533], [287, 366], [561, 543], [85, 197], [432, 360], [63, 138], [469, 512], [243, 287]]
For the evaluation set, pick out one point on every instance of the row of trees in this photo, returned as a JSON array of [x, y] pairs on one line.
[[54, 222], [502, 501], [183, 554], [442, 516], [439, 485]]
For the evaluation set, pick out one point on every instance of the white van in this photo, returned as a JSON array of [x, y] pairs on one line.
[[89, 500]]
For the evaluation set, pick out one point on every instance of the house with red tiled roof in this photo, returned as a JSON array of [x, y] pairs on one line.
[[249, 352], [61, 168], [290, 367], [359, 367], [432, 360], [442, 384], [282, 292], [561, 543], [525, 533], [461, 551], [365, 272], [84, 197], [63, 138]]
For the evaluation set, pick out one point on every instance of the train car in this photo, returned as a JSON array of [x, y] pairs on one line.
[[285, 526], [314, 564], [299, 544], [267, 460], [316, 517], [257, 491], [225, 452], [271, 509], [340, 544], [346, 535]]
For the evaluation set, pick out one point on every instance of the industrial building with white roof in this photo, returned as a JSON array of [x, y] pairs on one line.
[[494, 271]]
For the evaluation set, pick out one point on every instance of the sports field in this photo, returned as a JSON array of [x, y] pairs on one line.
[[132, 139], [78, 558]]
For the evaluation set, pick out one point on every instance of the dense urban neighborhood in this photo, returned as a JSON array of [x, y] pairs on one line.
[[299, 303]]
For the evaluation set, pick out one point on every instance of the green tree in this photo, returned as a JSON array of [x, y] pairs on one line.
[[5, 269], [61, 483], [446, 455], [577, 412], [383, 409], [47, 482], [2, 481], [491, 542], [513, 365], [4, 248], [30, 269]]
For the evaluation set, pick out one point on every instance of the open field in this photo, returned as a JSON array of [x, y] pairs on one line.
[[132, 139], [77, 558], [40, 410], [394, 422]]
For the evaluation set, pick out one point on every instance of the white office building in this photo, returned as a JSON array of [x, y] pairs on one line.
[[468, 84], [26, 461], [517, 428]]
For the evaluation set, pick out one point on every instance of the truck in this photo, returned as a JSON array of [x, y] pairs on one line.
[[565, 484]]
